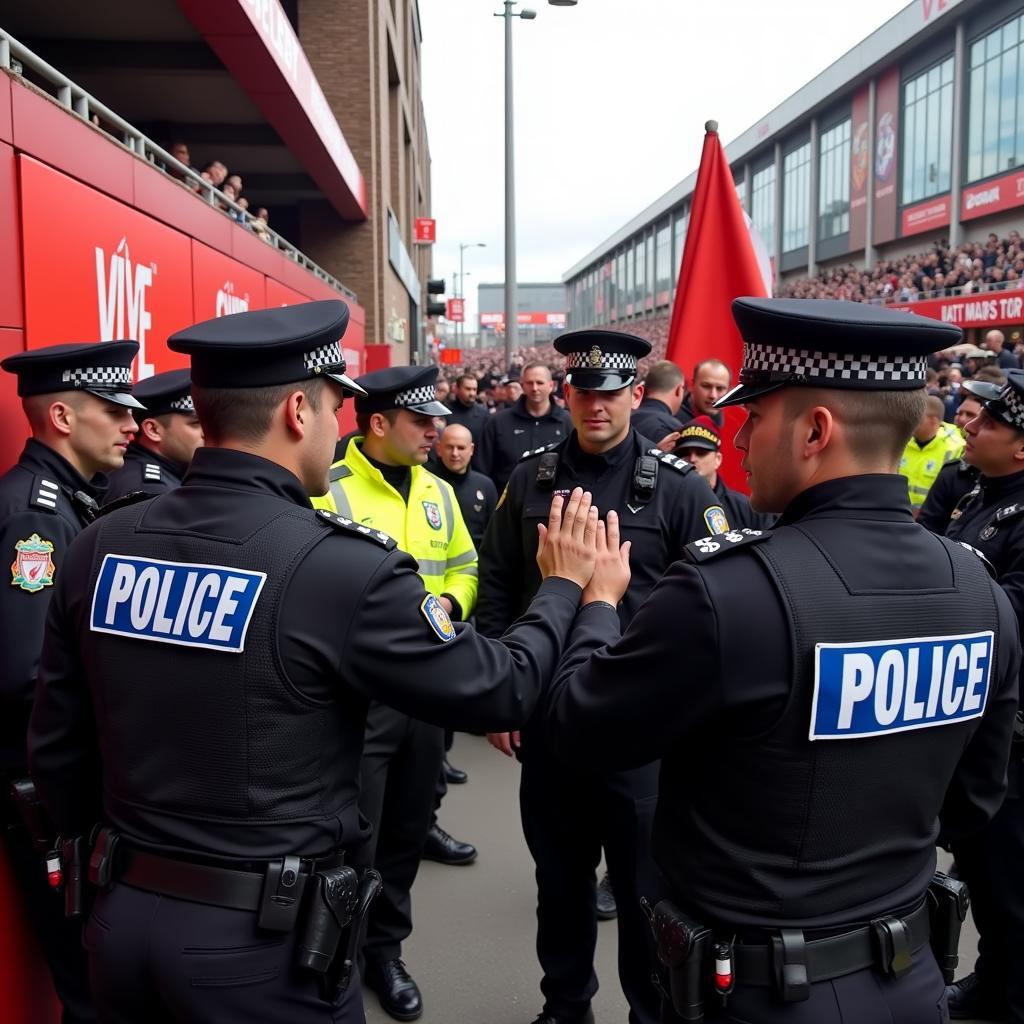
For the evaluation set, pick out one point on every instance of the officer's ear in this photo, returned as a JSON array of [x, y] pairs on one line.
[[1018, 455], [820, 426], [152, 429], [638, 395], [379, 424]]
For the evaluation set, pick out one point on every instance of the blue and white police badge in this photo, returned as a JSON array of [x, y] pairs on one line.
[[433, 514], [437, 618], [885, 686], [716, 520]]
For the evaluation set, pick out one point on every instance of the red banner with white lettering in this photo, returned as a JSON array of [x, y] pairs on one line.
[[859, 169], [221, 285], [425, 231], [932, 213], [992, 196], [990, 309], [455, 311], [887, 124]]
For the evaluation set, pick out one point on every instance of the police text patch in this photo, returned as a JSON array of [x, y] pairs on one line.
[[886, 686], [175, 602]]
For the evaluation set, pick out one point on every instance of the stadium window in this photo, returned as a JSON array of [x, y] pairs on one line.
[[796, 192], [834, 181], [927, 133], [741, 191], [640, 254], [649, 278], [622, 296], [995, 132], [664, 259], [679, 226], [630, 276], [762, 205]]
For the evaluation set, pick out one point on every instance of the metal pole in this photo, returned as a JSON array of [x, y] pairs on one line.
[[462, 290], [510, 198]]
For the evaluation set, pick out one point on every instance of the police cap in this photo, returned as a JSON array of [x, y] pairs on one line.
[[166, 392], [264, 347], [104, 369], [600, 360], [700, 432], [824, 343], [401, 387], [1002, 402]]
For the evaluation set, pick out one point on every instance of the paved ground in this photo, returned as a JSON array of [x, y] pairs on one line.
[[472, 949]]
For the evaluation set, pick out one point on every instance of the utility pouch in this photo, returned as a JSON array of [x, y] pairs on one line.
[[329, 909], [948, 902], [335, 982], [645, 478], [683, 946], [75, 860], [33, 816], [281, 897]]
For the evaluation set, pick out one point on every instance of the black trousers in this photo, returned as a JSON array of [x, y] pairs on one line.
[[59, 938], [441, 790], [992, 865], [866, 997], [158, 960], [568, 816], [398, 778]]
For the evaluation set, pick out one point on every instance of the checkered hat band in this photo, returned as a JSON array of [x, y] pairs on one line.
[[327, 357], [759, 360], [416, 396], [588, 360], [1014, 404], [109, 377], [183, 404]]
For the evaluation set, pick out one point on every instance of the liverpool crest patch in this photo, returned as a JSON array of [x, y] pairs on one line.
[[33, 568]]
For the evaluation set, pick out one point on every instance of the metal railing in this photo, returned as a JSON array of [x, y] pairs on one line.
[[15, 57]]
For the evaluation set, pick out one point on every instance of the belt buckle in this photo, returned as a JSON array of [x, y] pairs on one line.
[[892, 945]]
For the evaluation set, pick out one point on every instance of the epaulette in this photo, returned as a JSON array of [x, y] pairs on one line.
[[44, 494], [344, 525], [984, 561], [151, 472], [539, 451], [706, 548], [1009, 512], [678, 464], [131, 498]]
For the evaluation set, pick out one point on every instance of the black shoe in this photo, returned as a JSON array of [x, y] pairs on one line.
[[554, 1018], [445, 849], [606, 908], [399, 995], [969, 1001], [453, 776]]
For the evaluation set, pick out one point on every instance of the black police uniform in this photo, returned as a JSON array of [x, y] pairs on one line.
[[792, 806], [217, 725], [44, 504], [653, 418], [146, 469], [991, 519], [473, 417], [512, 432], [955, 481], [569, 814], [476, 496]]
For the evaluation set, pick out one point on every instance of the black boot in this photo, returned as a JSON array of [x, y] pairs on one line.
[[399, 995], [446, 849]]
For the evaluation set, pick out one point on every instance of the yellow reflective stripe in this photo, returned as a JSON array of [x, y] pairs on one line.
[[432, 566], [464, 559], [449, 514], [470, 570]]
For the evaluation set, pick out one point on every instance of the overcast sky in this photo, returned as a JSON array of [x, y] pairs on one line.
[[611, 97]]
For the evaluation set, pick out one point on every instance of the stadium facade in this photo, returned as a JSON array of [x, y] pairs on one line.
[[916, 135]]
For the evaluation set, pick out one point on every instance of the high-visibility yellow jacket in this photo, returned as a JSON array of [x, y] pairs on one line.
[[921, 464], [429, 526]]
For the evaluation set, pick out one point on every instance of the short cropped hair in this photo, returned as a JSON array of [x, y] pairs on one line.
[[663, 376], [244, 414]]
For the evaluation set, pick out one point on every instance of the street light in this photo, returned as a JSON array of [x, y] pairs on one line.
[[463, 246], [510, 174]]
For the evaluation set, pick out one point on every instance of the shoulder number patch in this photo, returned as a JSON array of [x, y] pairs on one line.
[[437, 618], [346, 525], [886, 686], [33, 568], [711, 547], [179, 603]]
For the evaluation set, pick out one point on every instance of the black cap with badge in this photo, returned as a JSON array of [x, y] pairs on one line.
[[1002, 402], [165, 393], [825, 343], [601, 360], [104, 369], [263, 347], [401, 387]]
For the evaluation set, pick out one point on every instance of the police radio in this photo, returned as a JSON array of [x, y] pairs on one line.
[[645, 478], [547, 470]]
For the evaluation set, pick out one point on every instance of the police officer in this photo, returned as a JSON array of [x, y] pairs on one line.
[[955, 479], [169, 434], [77, 399], [382, 482], [474, 491], [209, 660], [664, 387], [827, 697], [700, 444], [933, 445], [991, 518], [568, 813], [533, 420]]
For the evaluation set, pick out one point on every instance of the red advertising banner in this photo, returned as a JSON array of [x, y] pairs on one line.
[[455, 310], [221, 285], [859, 169], [887, 117], [932, 213], [992, 196], [534, 318], [95, 269], [425, 230], [990, 309], [450, 355]]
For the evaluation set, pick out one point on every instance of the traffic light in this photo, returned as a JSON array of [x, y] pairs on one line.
[[435, 286]]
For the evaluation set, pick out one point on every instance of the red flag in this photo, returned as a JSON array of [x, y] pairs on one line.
[[719, 264]]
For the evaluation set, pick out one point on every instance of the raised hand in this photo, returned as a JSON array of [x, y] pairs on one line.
[[611, 569], [568, 544]]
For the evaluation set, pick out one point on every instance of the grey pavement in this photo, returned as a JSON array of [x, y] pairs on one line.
[[472, 949]]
